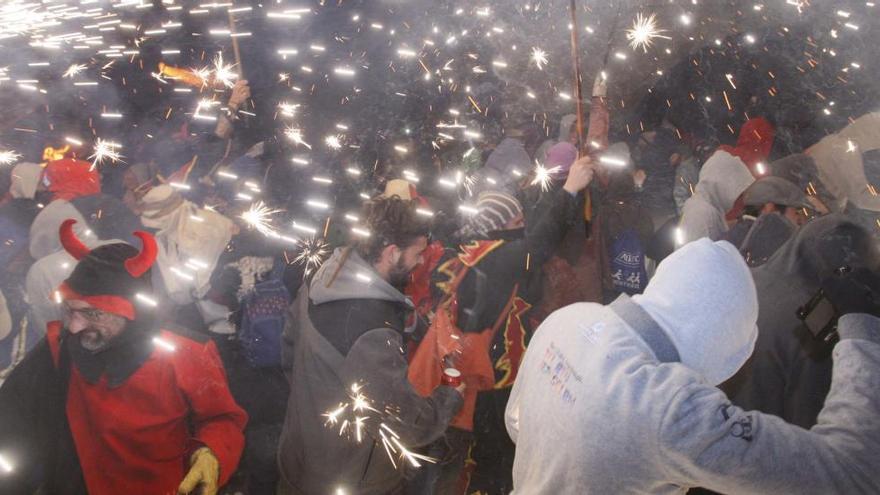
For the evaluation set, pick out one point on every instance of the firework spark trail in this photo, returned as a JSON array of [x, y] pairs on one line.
[[643, 32]]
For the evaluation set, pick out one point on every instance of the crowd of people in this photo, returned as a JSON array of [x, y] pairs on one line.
[[652, 315]]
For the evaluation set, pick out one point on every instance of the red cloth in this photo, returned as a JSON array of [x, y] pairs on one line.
[[754, 142], [70, 178], [137, 438], [470, 353]]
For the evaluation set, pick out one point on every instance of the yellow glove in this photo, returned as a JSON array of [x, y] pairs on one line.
[[204, 470]]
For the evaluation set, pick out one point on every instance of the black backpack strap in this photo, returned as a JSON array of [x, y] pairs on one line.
[[639, 320]]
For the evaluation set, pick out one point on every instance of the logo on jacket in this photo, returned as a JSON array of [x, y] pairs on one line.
[[742, 427]]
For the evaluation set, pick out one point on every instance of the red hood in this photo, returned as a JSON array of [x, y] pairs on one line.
[[754, 143], [70, 178]]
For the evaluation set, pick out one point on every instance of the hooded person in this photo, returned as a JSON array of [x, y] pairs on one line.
[[658, 157], [839, 160], [109, 402], [723, 178], [623, 399], [187, 235], [509, 161], [16, 216], [789, 374], [344, 339], [773, 209]]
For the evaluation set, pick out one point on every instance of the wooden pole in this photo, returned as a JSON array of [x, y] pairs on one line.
[[578, 86], [235, 50]]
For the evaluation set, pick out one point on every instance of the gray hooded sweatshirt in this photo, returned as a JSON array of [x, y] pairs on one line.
[[790, 372], [621, 398], [314, 458], [722, 179]]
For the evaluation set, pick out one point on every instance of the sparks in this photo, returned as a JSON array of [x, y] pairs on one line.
[[295, 134], [223, 73], [312, 254], [333, 142], [74, 70], [544, 176], [259, 216], [8, 157], [643, 32], [539, 57], [105, 150]]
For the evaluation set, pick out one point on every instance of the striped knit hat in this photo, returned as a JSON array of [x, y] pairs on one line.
[[494, 210]]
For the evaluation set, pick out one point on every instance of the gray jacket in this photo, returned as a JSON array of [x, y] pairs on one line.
[[601, 406], [325, 357]]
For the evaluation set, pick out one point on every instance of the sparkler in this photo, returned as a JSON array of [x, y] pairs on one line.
[[259, 216], [643, 32], [539, 57]]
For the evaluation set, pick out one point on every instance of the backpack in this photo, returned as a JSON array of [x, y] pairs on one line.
[[626, 258], [262, 321]]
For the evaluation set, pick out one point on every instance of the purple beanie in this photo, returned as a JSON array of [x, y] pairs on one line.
[[561, 155]]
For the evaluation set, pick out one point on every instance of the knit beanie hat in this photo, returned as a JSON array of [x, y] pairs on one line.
[[109, 276], [494, 210], [704, 298]]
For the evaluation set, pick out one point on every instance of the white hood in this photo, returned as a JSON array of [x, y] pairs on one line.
[[704, 298], [722, 179]]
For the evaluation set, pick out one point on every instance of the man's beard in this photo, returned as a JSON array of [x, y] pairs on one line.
[[398, 277], [92, 340]]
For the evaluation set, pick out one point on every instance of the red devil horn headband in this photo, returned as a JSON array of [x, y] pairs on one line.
[[136, 266], [71, 243]]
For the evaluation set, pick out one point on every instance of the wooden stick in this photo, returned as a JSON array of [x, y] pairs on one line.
[[578, 96]]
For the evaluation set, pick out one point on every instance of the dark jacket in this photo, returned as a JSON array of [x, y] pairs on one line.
[[789, 373], [346, 329]]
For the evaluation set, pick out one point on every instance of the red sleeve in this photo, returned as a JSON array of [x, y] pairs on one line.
[[218, 421]]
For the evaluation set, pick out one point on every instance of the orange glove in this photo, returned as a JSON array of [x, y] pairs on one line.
[[204, 470]]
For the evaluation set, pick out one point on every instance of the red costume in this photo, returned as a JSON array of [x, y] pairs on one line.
[[136, 438]]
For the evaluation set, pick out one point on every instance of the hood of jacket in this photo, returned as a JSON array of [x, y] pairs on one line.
[[722, 179], [819, 248], [25, 178], [767, 234], [704, 298], [348, 276]]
